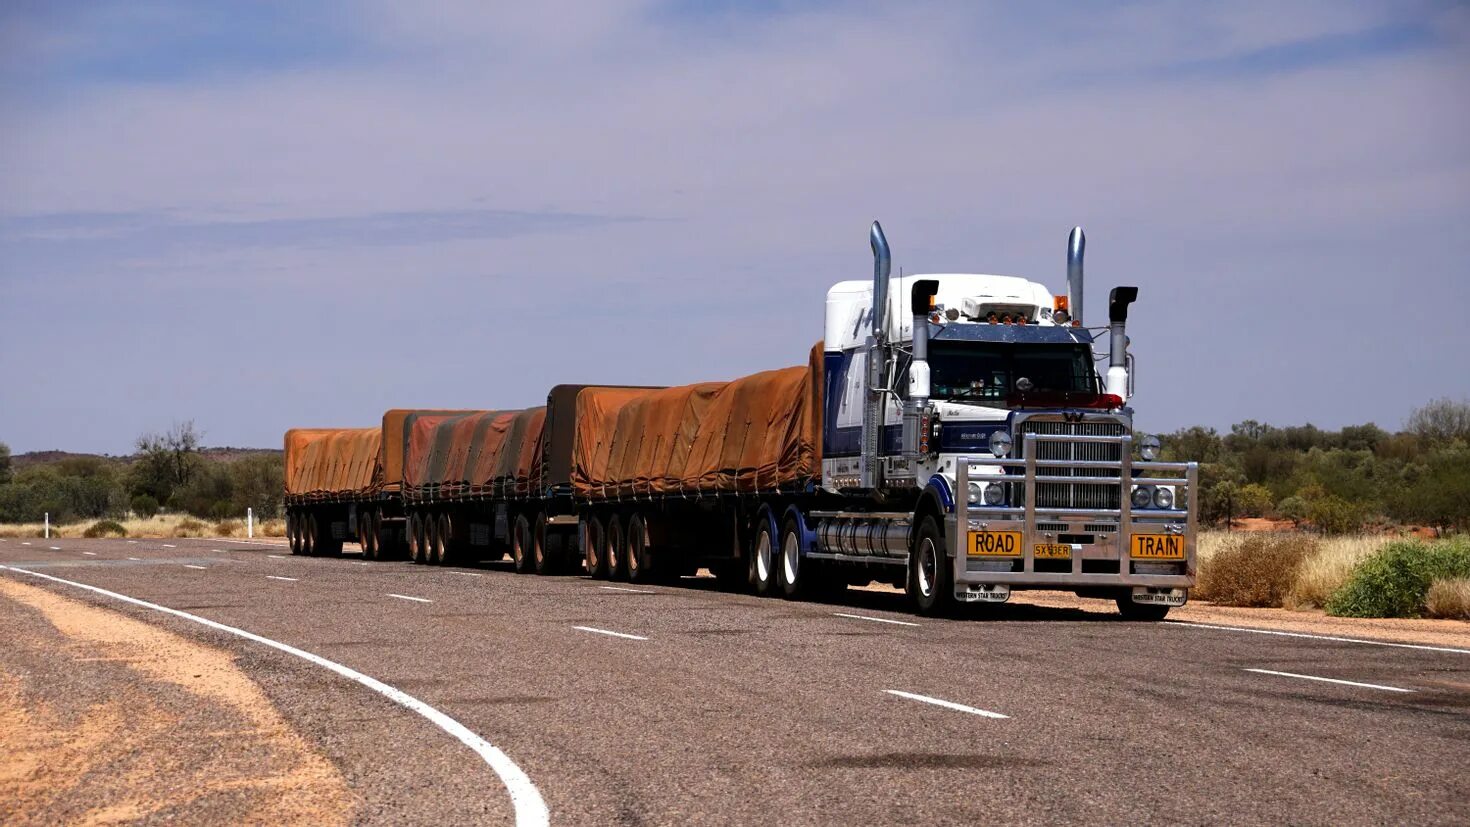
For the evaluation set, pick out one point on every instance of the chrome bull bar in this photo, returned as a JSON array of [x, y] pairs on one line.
[[1112, 529]]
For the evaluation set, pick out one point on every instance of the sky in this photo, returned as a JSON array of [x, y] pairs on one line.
[[265, 215]]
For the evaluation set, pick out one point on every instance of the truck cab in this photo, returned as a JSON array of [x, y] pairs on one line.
[[997, 426]]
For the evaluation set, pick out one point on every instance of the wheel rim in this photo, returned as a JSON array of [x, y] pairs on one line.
[[791, 558], [763, 558], [928, 567]]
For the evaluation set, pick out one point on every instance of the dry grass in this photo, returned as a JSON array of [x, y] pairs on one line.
[[159, 527], [1449, 598], [1252, 569], [229, 528], [1325, 571]]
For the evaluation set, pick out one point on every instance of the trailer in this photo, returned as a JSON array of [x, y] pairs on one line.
[[951, 434]]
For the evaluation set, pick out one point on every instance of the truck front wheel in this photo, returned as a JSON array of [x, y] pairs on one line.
[[1140, 611], [930, 582]]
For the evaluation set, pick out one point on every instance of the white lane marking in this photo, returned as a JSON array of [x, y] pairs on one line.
[[606, 632], [218, 550], [88, 553], [133, 542], [874, 619], [622, 589], [58, 548], [166, 545], [277, 577], [530, 808], [1329, 680], [251, 542], [946, 704], [1188, 625], [408, 597], [466, 573], [276, 556], [25, 544], [190, 566], [135, 558]]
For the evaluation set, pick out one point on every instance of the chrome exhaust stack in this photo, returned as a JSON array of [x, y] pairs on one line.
[[877, 346], [916, 409], [1076, 246]]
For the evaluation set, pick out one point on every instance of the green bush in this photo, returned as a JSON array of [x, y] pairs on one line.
[[1334, 515], [145, 506], [105, 528], [1395, 581], [1259, 571], [1292, 508]]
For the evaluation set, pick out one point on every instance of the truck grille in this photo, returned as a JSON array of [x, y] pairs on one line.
[[1068, 495]]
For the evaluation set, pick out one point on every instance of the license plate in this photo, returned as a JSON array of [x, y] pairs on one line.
[[995, 544], [1053, 551], [1157, 547]]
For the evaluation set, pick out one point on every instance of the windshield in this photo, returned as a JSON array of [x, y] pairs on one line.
[[988, 372]]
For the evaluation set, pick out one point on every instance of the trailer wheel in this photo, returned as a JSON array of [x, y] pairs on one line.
[[520, 546], [439, 548], [293, 536], [930, 588], [793, 573], [617, 550], [762, 559], [594, 551], [636, 553], [1140, 611], [309, 538], [431, 537], [547, 560], [414, 536]]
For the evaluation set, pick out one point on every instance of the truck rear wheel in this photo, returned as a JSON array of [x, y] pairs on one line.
[[367, 532], [792, 572], [548, 545], [309, 537], [293, 531], [617, 550], [637, 553], [413, 532], [520, 545], [594, 549], [762, 558], [930, 582]]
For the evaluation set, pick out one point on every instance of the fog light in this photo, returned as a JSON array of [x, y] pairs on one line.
[[995, 494], [1164, 497], [1142, 496]]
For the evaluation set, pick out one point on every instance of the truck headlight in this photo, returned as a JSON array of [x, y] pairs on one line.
[[995, 494], [1163, 497], [1000, 443], [975, 493], [1149, 448], [1142, 496]]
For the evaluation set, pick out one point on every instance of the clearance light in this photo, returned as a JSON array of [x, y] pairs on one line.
[[992, 318]]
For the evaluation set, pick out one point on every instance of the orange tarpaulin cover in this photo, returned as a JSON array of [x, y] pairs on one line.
[[332, 462], [481, 452], [756, 433], [395, 440]]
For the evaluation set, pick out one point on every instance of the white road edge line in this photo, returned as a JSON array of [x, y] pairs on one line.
[[25, 544], [191, 566], [1190, 625], [874, 619], [278, 577], [1330, 680], [408, 597], [946, 704], [166, 545], [625, 589], [88, 553], [530, 808], [277, 556], [606, 632], [58, 548], [466, 573]]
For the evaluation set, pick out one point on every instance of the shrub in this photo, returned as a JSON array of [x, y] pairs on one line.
[[1449, 598], [1334, 515], [1257, 571], [227, 528], [145, 506], [1252, 500], [1324, 572], [1292, 508], [1395, 582], [271, 528], [105, 528], [189, 528]]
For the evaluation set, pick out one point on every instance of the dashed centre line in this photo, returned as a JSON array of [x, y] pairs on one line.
[[623, 589], [166, 545], [58, 548], [606, 632], [139, 559], [946, 704], [1329, 680], [276, 556], [466, 573], [191, 566], [410, 597], [874, 619], [278, 577], [88, 553]]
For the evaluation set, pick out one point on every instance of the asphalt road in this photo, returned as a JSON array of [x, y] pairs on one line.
[[709, 707]]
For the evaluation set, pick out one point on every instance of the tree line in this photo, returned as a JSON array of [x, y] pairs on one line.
[[169, 471]]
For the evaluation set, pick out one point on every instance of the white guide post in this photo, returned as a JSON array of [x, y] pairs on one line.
[[249, 522], [48, 525]]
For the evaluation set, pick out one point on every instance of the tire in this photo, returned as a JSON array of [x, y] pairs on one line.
[[793, 574], [521, 550], [413, 532], [617, 550], [309, 539], [930, 581], [293, 531], [370, 547], [443, 535], [431, 538], [762, 558], [594, 554], [637, 556], [1140, 611], [546, 546]]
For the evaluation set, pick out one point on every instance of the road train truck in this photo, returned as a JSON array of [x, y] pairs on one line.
[[956, 435]]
